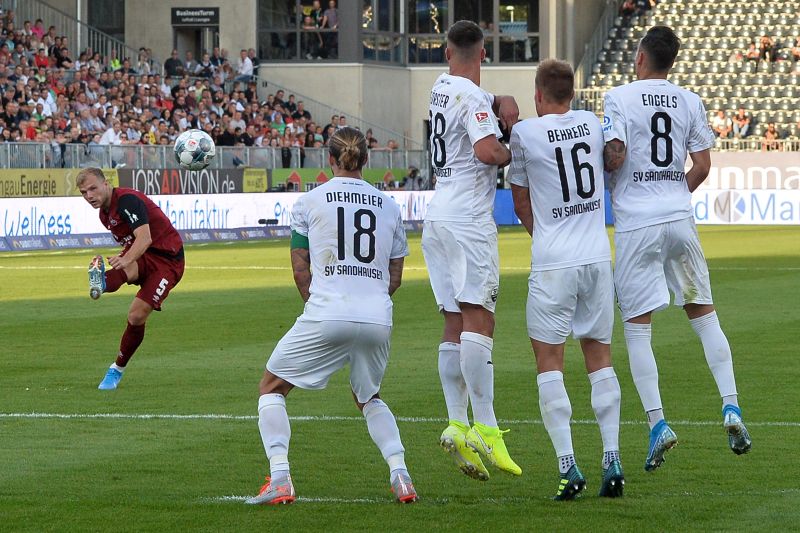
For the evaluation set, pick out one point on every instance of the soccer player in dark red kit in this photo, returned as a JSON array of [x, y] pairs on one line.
[[151, 257]]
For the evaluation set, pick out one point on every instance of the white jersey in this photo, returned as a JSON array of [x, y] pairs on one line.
[[559, 159], [461, 115], [660, 125], [353, 231]]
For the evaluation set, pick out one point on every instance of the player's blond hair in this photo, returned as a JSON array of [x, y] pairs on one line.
[[348, 147], [556, 80], [84, 174]]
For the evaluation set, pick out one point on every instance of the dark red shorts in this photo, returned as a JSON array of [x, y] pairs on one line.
[[157, 276]]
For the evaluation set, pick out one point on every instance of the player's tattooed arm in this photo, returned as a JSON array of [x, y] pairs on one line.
[[301, 268], [395, 274], [614, 154]]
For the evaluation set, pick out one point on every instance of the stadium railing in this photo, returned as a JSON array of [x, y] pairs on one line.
[[43, 155]]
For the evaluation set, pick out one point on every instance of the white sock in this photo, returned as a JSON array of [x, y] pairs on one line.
[[478, 371], [119, 369], [565, 462], [383, 429], [605, 402], [643, 365], [453, 385], [556, 412], [610, 457], [654, 417], [718, 354], [273, 423]]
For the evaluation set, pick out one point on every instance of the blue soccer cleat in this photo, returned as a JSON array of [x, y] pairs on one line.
[[112, 379], [97, 277], [738, 436], [662, 438]]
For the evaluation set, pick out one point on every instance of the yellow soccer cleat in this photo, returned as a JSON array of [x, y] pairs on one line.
[[488, 442], [452, 440]]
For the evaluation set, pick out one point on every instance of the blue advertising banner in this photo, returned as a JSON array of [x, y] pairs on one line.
[[30, 242]]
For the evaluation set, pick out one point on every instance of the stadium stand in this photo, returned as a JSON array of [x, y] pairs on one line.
[[86, 110], [736, 55]]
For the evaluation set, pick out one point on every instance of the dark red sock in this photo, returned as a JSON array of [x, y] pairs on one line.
[[115, 279], [131, 340]]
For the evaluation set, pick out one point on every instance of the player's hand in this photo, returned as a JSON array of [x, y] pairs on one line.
[[507, 112], [119, 262]]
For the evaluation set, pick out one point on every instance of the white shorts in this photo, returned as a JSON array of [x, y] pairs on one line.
[[462, 263], [577, 299], [312, 351], [655, 260]]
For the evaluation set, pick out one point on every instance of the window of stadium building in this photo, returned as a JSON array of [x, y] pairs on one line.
[[298, 29], [106, 16], [393, 31], [380, 31], [511, 28]]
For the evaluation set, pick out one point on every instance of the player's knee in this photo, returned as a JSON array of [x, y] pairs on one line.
[[272, 384], [697, 310], [137, 317], [361, 405]]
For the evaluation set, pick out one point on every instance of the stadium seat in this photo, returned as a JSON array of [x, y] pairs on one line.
[[712, 33]]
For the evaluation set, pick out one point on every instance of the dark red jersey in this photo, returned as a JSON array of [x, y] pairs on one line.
[[130, 209]]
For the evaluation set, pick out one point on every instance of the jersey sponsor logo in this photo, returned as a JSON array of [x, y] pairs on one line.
[[482, 117], [131, 216], [607, 123]]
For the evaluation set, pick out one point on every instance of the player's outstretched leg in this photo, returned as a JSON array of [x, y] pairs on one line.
[[273, 424], [738, 436], [385, 434], [97, 277]]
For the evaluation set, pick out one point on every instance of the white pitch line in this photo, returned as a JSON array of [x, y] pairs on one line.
[[508, 499], [325, 418], [387, 501]]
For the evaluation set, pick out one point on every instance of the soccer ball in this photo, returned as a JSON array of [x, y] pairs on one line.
[[194, 149]]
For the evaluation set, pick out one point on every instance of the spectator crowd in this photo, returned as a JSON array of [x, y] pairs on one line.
[[95, 100]]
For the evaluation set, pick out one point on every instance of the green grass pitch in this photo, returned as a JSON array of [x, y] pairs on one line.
[[205, 353]]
